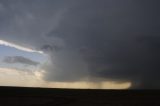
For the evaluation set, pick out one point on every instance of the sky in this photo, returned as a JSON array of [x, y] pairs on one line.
[[105, 44]]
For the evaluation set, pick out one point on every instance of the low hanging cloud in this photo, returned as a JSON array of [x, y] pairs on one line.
[[89, 40], [20, 60]]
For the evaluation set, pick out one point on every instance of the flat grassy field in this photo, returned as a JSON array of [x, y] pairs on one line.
[[25, 96]]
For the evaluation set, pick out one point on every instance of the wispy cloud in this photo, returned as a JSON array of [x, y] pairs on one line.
[[5, 43]]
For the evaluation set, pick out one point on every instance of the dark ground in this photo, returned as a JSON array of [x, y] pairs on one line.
[[23, 96]]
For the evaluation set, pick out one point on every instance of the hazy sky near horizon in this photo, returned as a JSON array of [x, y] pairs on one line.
[[108, 44]]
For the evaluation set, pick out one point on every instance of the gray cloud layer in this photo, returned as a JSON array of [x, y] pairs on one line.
[[19, 59], [89, 39]]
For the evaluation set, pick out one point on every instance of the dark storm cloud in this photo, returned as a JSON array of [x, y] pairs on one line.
[[89, 39], [19, 59]]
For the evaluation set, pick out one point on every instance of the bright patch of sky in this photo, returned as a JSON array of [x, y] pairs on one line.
[[10, 51]]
